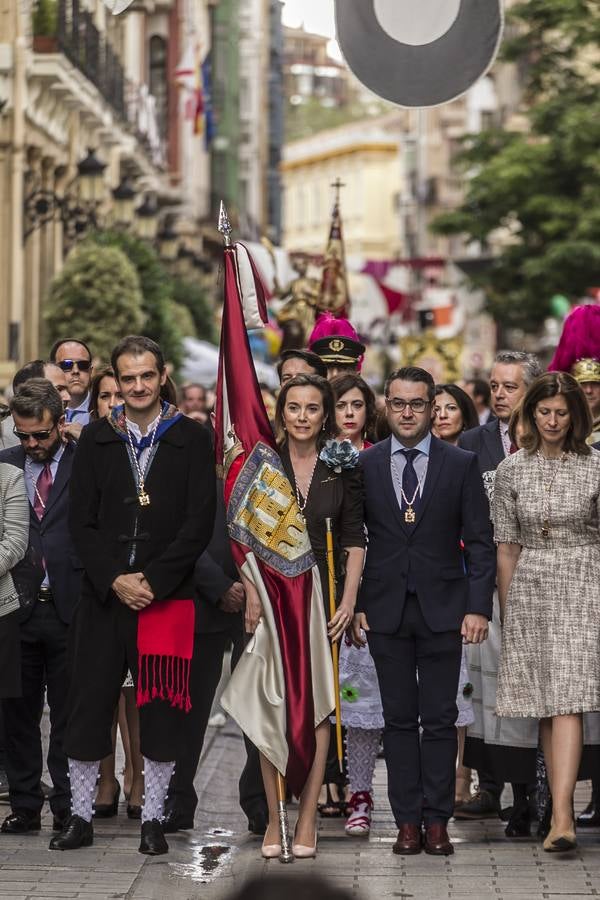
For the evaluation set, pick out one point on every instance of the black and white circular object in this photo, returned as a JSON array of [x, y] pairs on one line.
[[419, 53]]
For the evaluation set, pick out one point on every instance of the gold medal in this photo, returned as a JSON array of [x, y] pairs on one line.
[[409, 515], [143, 498]]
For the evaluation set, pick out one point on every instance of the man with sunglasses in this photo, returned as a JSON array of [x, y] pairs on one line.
[[420, 597], [74, 357], [48, 583]]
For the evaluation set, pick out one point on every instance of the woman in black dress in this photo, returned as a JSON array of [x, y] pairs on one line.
[[305, 419]]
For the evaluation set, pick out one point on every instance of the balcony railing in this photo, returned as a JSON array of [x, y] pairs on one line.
[[90, 52]]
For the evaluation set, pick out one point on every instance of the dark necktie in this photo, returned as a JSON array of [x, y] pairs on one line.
[[42, 490], [410, 482]]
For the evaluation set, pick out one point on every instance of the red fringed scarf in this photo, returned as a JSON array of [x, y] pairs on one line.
[[165, 641]]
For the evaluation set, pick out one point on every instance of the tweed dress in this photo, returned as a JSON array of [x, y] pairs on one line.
[[550, 658]]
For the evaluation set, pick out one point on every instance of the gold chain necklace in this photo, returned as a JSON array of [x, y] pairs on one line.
[[143, 496], [547, 489], [302, 503]]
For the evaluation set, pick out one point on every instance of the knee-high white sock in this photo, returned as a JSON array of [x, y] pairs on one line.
[[82, 776], [362, 746], [157, 776]]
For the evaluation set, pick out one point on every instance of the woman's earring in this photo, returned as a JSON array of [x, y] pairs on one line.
[[323, 427]]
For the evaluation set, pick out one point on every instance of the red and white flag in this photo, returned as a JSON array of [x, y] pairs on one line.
[[282, 686]]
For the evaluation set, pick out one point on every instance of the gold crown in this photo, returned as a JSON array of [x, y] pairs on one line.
[[586, 369]]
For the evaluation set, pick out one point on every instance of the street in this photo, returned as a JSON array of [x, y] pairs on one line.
[[220, 855]]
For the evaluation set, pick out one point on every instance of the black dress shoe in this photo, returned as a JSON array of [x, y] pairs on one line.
[[519, 823], [484, 805], [76, 833], [174, 821], [59, 819], [257, 825], [153, 841], [590, 817], [21, 821], [108, 810], [134, 812]]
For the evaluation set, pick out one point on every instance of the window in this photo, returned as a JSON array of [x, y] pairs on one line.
[[158, 82]]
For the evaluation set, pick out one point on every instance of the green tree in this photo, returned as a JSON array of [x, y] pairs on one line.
[[193, 297], [542, 184], [156, 286], [96, 297]]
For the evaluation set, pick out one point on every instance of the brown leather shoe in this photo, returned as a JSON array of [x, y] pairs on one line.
[[436, 841], [408, 841]]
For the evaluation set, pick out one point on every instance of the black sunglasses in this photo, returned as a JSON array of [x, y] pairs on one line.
[[67, 365], [37, 435]]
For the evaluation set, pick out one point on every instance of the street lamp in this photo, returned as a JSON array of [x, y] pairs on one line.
[[124, 202], [147, 219], [91, 178], [168, 242], [77, 208]]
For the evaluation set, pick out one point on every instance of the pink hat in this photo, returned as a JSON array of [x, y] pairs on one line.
[[578, 350], [336, 342]]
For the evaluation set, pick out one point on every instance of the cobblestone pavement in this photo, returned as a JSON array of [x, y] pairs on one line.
[[220, 854]]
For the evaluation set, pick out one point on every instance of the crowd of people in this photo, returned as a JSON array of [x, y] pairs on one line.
[[466, 546]]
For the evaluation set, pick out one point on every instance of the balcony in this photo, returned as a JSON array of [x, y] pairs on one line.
[[69, 29]]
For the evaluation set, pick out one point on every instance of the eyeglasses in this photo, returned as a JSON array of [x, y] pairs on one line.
[[36, 435], [83, 365], [398, 405]]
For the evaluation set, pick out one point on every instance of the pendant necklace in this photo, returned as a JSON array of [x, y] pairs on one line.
[[143, 496], [545, 531], [302, 503], [410, 516]]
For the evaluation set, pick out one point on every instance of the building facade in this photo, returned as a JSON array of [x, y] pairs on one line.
[[74, 78]]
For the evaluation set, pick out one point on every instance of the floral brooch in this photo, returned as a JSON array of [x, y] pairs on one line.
[[339, 455]]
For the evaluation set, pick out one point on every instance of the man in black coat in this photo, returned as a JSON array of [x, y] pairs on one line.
[[418, 601], [48, 580], [142, 509]]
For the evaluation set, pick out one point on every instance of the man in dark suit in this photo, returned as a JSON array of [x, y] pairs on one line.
[[512, 373], [219, 596], [48, 580], [417, 599]]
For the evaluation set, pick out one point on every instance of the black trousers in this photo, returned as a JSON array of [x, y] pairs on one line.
[[418, 672], [207, 664], [102, 646], [43, 663]]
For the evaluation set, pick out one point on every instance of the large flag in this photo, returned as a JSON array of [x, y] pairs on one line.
[[419, 54], [282, 686], [333, 296]]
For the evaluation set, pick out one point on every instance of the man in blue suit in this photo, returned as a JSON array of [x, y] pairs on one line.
[[421, 595], [48, 580]]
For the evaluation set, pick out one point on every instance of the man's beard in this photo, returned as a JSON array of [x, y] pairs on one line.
[[47, 453]]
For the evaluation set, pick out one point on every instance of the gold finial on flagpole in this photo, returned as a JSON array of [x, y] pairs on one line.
[[224, 225]]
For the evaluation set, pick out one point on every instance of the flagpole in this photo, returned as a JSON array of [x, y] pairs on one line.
[[286, 855], [334, 646]]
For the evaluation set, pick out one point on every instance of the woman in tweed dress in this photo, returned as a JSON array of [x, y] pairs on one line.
[[14, 536], [546, 506]]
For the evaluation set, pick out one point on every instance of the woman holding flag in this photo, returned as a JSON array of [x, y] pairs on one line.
[[328, 484], [282, 692]]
